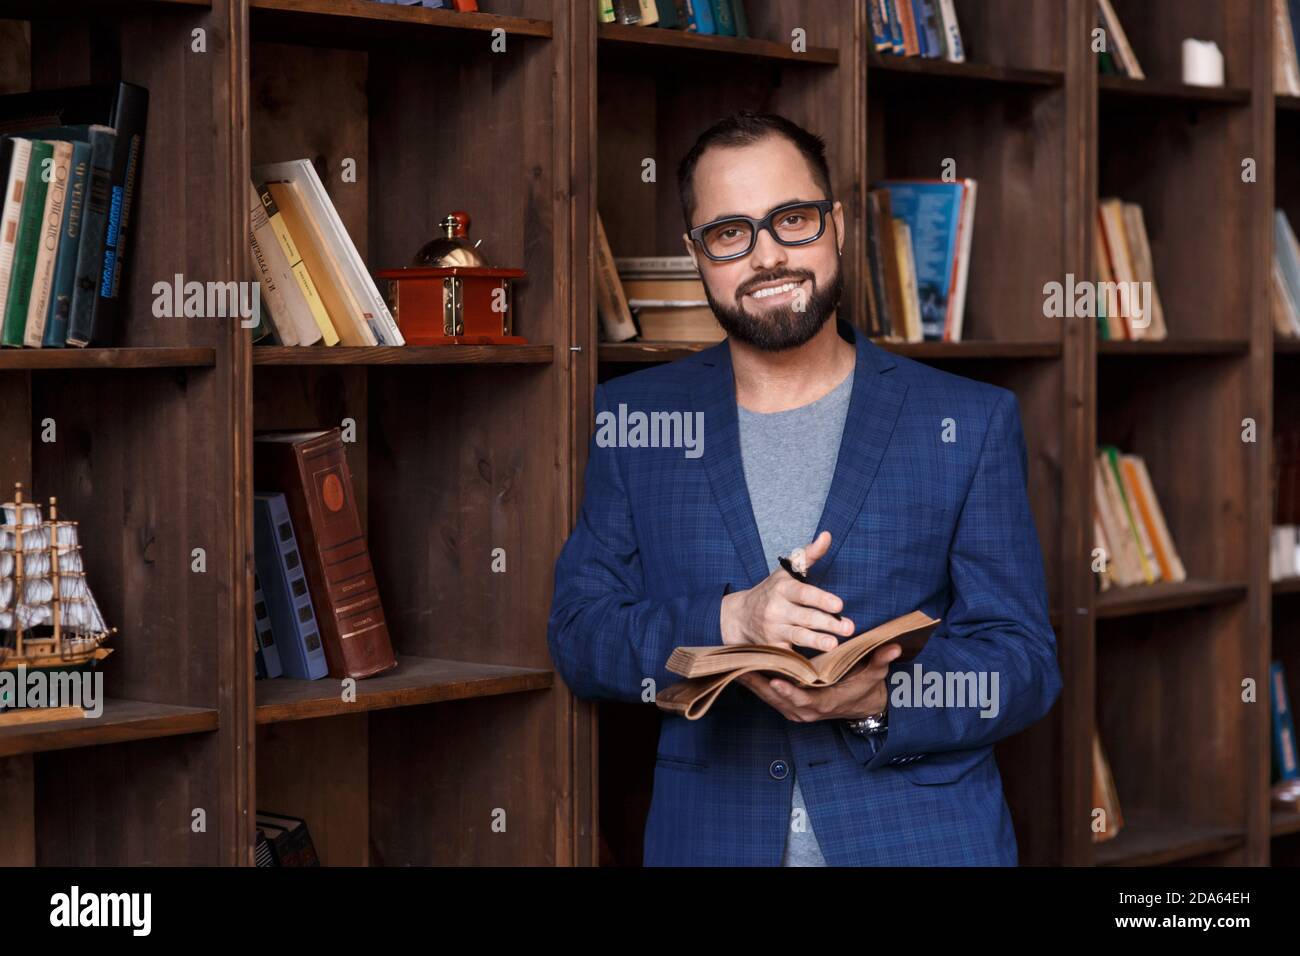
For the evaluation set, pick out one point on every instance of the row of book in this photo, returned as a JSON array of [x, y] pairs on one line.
[[1286, 278], [919, 235], [315, 287], [724, 18], [317, 610], [1285, 767], [1118, 58], [1128, 524], [71, 164], [1286, 68], [1128, 303], [924, 28], [654, 298]]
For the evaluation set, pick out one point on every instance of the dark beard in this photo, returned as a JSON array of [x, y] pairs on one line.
[[778, 329]]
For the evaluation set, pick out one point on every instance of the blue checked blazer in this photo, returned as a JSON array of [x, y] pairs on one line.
[[917, 521]]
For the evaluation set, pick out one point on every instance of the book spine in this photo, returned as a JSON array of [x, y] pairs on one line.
[[267, 655], [26, 242], [723, 24], [65, 269], [611, 303], [90, 250], [953, 50], [300, 273], [273, 296], [129, 118], [20, 151], [47, 248], [288, 598]]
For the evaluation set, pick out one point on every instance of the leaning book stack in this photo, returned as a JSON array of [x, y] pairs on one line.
[[1131, 537], [316, 290]]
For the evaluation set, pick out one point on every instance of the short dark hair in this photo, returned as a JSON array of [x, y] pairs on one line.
[[744, 128]]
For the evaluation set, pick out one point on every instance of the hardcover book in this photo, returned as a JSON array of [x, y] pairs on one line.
[[311, 469]]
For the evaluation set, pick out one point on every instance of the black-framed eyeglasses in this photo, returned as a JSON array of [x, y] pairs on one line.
[[794, 224]]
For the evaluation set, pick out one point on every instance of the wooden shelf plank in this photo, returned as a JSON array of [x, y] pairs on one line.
[[366, 15], [1283, 102], [46, 9], [1152, 843], [119, 358], [1284, 823], [1288, 346], [416, 680], [976, 72], [649, 351], [654, 38], [1174, 347], [668, 351], [1286, 586], [121, 721], [1112, 87], [1166, 596], [974, 349], [404, 355]]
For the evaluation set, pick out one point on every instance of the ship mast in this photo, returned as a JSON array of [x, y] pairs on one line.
[[54, 573], [18, 565]]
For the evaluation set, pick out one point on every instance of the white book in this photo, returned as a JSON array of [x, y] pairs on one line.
[[47, 248], [965, 231], [952, 45], [301, 173], [13, 206], [290, 313]]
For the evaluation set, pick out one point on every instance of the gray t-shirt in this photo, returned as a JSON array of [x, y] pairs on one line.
[[775, 447]]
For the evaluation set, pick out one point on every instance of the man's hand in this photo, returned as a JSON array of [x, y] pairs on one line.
[[861, 693], [784, 612]]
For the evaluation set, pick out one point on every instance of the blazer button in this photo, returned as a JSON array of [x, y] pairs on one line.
[[779, 769]]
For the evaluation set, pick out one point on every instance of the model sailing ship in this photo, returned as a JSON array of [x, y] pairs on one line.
[[48, 618]]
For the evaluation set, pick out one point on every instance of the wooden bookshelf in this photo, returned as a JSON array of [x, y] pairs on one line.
[[460, 451]]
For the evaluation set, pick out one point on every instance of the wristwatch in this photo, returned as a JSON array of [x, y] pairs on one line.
[[873, 724]]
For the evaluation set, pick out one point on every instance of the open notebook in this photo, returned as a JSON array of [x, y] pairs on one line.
[[708, 670]]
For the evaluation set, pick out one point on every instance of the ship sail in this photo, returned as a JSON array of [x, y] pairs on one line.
[[43, 588]]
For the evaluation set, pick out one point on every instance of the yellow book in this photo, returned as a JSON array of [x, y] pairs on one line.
[[342, 307], [299, 268]]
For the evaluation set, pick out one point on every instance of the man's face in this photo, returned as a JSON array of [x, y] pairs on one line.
[[752, 181]]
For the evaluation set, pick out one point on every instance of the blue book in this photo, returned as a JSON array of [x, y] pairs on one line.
[[880, 39], [724, 25], [667, 10], [65, 263], [701, 16], [895, 26], [266, 654], [738, 15], [1284, 754], [927, 28], [284, 583], [933, 211]]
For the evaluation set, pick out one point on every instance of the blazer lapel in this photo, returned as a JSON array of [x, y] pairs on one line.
[[874, 406], [714, 393]]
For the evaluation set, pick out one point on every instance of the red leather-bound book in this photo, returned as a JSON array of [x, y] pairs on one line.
[[311, 469]]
